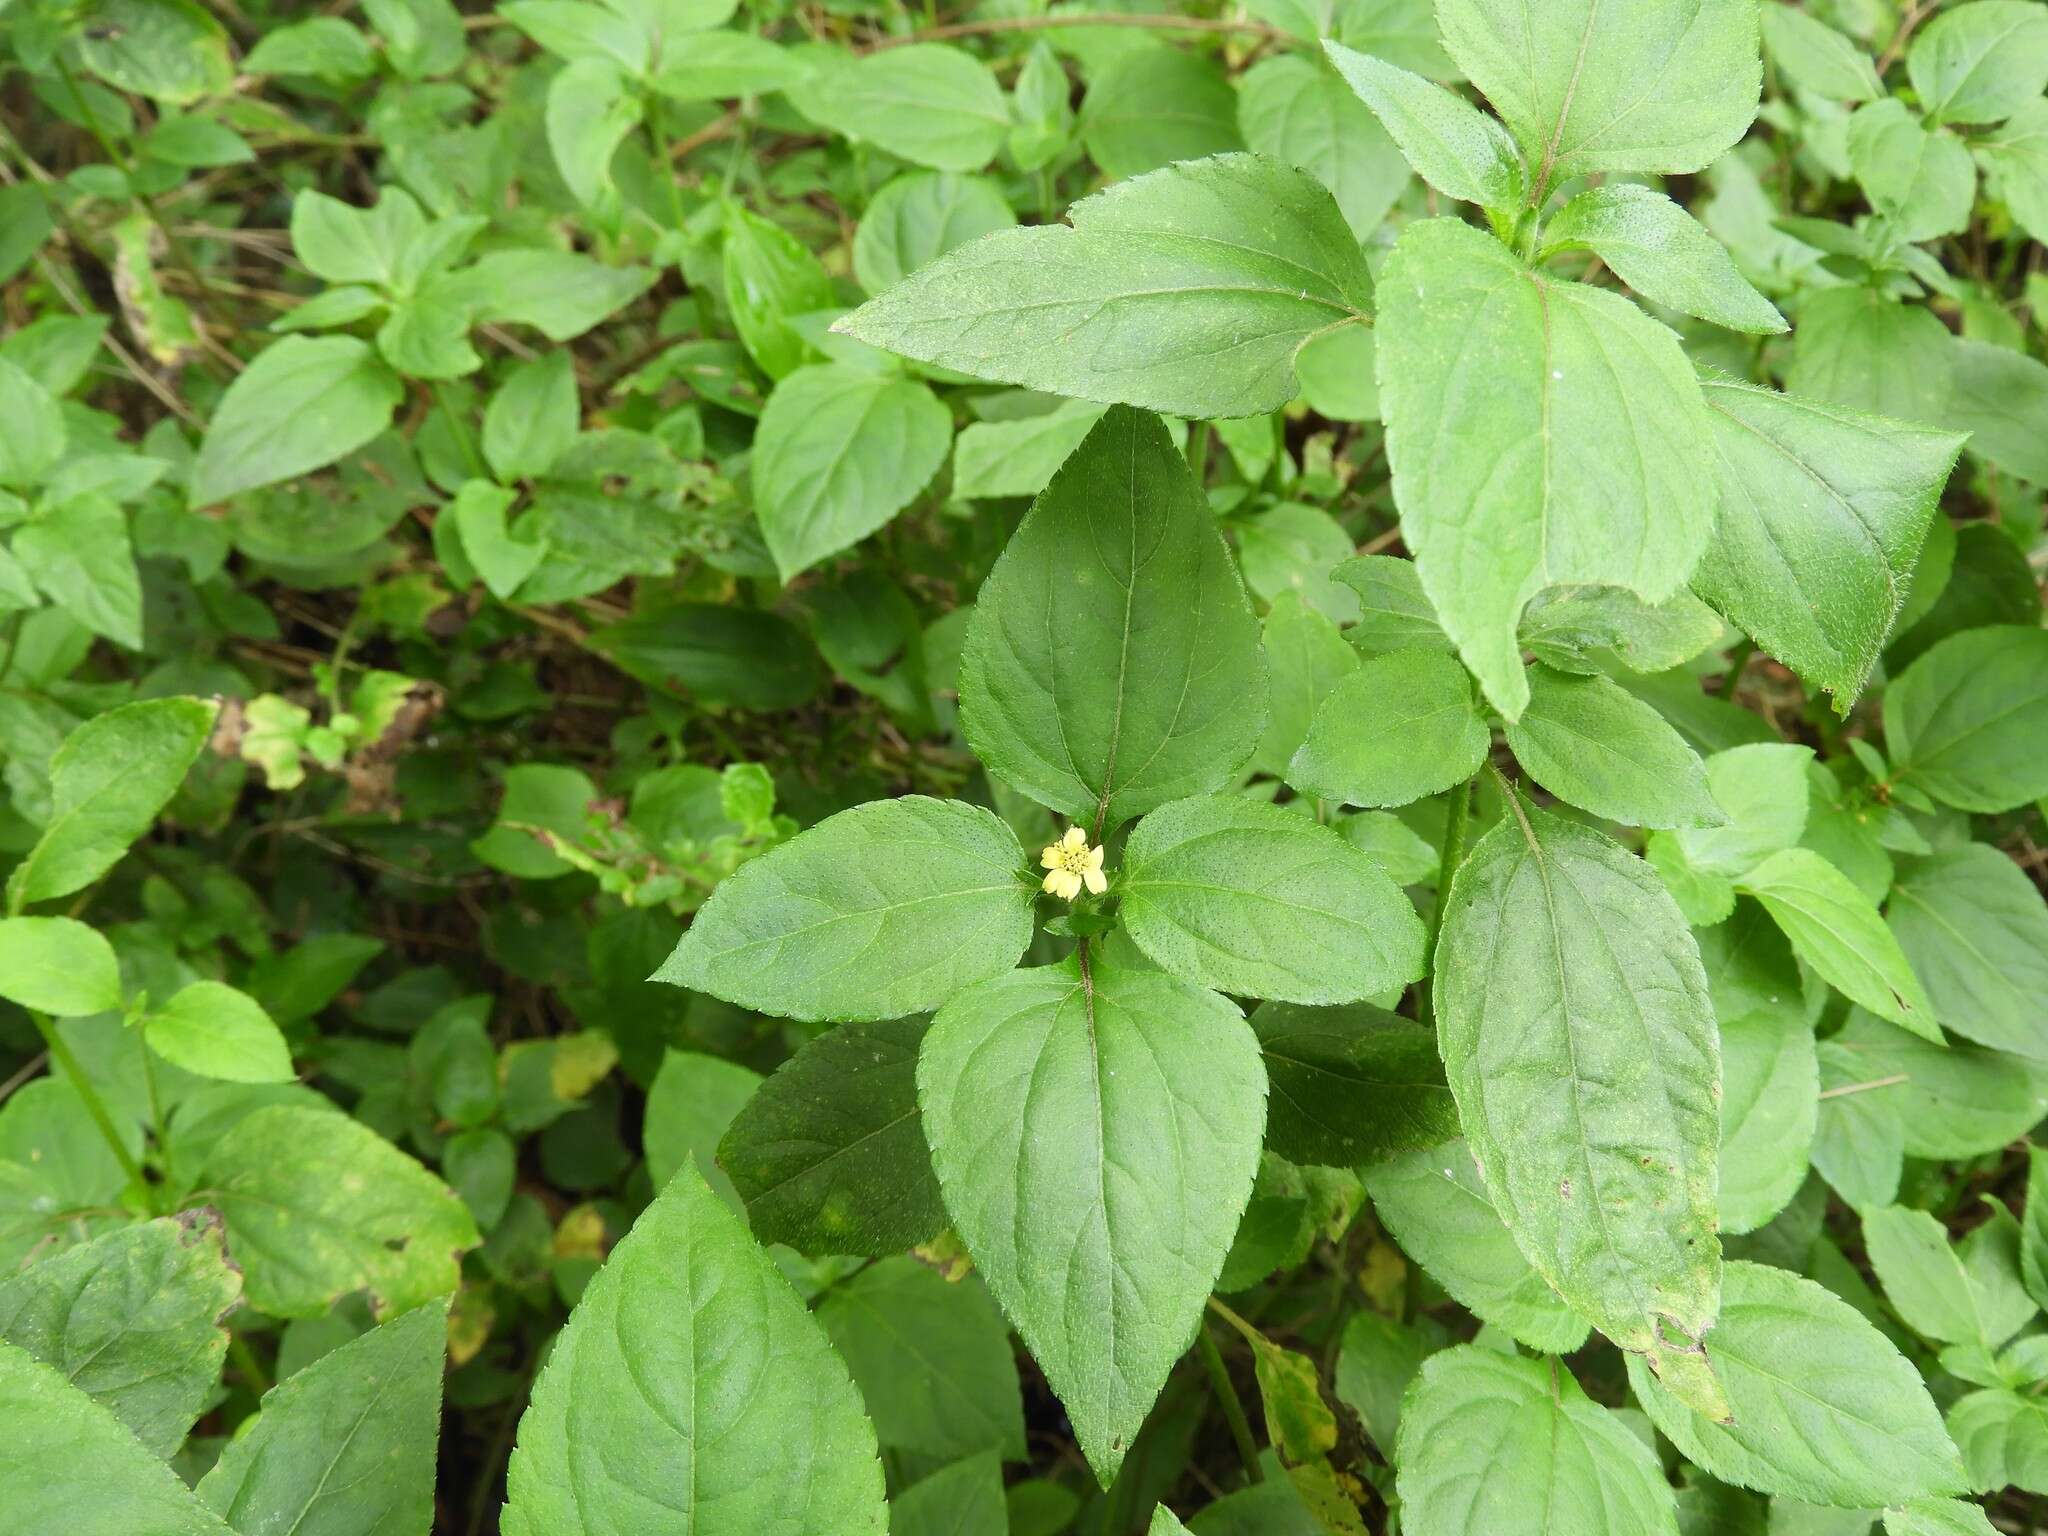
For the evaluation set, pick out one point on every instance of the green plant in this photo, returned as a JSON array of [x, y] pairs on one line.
[[713, 827]]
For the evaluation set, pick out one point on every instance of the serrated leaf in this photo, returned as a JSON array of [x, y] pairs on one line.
[[1260, 901], [1591, 742], [133, 1320], [1402, 726], [1113, 663], [827, 925], [318, 1206], [1350, 1086], [1480, 1432], [829, 1154], [1582, 452], [838, 453], [1823, 513], [1299, 112], [345, 1446], [1825, 1408], [107, 782], [1975, 931], [1577, 1036], [1837, 930], [1096, 1137], [1664, 253], [1966, 721], [1452, 145], [1980, 62], [1436, 1205], [1586, 87], [1187, 290], [748, 1427]]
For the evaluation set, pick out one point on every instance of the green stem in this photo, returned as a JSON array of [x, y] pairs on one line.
[[1198, 452], [247, 1363], [1738, 663], [1453, 852], [1228, 1400], [95, 1106]]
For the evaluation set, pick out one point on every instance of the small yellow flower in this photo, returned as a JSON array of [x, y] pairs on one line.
[[1073, 864]]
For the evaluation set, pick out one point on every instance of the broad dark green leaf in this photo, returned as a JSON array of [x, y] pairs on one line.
[[1187, 290], [722, 655], [1113, 663], [1576, 1033], [1499, 1445], [918, 217], [1261, 901], [829, 1154], [1975, 931], [1154, 105], [1577, 452], [1404, 725], [1591, 742], [931, 1357], [68, 1466], [1825, 1408], [1435, 1204], [887, 909], [1589, 87], [1096, 1137], [690, 1391], [133, 1320], [1350, 1086], [319, 1206], [346, 1446], [1837, 930], [838, 453], [1966, 721], [107, 783], [1860, 348], [303, 403], [1300, 113]]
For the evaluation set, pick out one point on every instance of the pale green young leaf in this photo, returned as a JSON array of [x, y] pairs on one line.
[[1938, 1517], [2003, 1437], [133, 1319], [340, 243], [503, 560], [1582, 446], [1858, 347], [1260, 901], [932, 1358], [1590, 87], [690, 1106], [1608, 629], [918, 217], [1435, 1204], [1306, 657], [1018, 458], [1578, 1038], [1099, 1204], [34, 443], [319, 1205], [210, 1028], [1154, 105], [1403, 725], [1949, 1102], [1770, 1105], [561, 294], [1113, 663], [1187, 290], [1825, 1409], [345, 1446], [592, 105], [1762, 790], [1980, 62], [1591, 742], [929, 103], [2015, 158], [719, 66], [574, 29], [1394, 613], [107, 785], [829, 1153], [962, 1499], [1296, 111], [1966, 721], [1920, 178], [70, 1466], [1999, 395], [839, 452], [58, 966], [1928, 1284], [1836, 929], [1823, 514], [1480, 1432], [886, 909], [1350, 1086], [1452, 145], [1815, 57], [79, 554], [1662, 252], [691, 1390], [1975, 930], [303, 403]]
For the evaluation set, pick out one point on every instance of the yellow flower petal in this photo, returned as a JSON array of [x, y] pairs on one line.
[[1050, 858], [1075, 838], [1070, 884], [1094, 859], [1095, 879], [1051, 883]]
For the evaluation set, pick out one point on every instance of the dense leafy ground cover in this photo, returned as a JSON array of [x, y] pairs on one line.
[[1326, 726]]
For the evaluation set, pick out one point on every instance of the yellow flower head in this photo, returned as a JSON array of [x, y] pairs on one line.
[[1073, 864]]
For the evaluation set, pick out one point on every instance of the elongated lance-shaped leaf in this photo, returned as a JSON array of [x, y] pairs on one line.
[[1578, 1037]]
